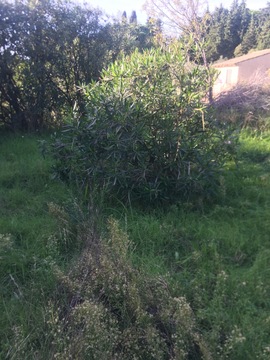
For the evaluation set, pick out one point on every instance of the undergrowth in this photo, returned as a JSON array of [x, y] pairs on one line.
[[188, 281], [219, 255], [28, 237]]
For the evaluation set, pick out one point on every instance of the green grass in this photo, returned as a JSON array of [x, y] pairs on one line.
[[26, 226], [217, 255]]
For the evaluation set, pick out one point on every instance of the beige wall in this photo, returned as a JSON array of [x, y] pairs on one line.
[[248, 68], [244, 71], [227, 78]]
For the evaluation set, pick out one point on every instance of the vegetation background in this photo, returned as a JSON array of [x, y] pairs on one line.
[[50, 48]]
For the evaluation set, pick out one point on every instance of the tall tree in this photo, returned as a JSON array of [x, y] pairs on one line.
[[250, 40], [133, 18], [47, 50], [215, 33], [264, 32], [124, 17], [125, 37], [235, 28]]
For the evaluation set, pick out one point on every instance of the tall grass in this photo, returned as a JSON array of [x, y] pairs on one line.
[[216, 256], [26, 233]]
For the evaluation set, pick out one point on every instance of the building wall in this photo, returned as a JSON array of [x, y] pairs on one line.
[[243, 71], [227, 78], [247, 69]]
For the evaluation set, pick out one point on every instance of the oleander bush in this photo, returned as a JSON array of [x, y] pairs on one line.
[[147, 132]]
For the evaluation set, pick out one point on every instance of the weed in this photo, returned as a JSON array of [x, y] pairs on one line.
[[115, 311], [26, 278], [187, 281]]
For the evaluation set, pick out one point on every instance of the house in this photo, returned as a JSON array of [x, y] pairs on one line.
[[241, 69]]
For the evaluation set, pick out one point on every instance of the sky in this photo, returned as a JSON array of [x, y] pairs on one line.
[[116, 7]]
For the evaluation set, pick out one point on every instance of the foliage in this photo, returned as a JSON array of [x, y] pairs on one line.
[[215, 259], [114, 311], [187, 19], [264, 25], [215, 34], [47, 50], [218, 255], [236, 31], [222, 33], [249, 40], [29, 238], [237, 23], [127, 37], [147, 132]]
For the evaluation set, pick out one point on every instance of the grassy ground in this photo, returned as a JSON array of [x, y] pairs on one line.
[[217, 255], [26, 228]]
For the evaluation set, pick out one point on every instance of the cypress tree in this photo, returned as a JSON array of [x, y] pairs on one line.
[[264, 33], [216, 33], [124, 17], [133, 18], [250, 37]]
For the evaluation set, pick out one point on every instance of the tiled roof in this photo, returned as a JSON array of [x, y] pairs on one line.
[[237, 60]]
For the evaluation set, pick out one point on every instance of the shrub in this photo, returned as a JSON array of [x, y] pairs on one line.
[[113, 311], [147, 132], [104, 308]]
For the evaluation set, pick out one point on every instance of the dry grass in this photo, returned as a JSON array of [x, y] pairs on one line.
[[114, 311], [246, 103]]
